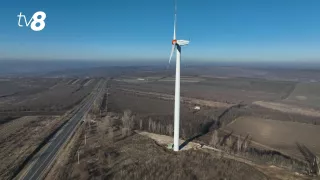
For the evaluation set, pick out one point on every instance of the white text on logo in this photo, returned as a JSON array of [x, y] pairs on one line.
[[35, 21]]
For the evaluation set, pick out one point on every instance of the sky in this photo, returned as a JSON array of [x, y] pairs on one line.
[[219, 30]]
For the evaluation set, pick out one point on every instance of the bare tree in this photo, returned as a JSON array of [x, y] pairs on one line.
[[153, 126], [183, 134], [140, 124], [170, 129], [149, 122], [109, 159], [159, 127], [103, 143], [317, 162], [214, 138], [229, 142], [127, 119], [239, 143], [245, 143], [125, 132]]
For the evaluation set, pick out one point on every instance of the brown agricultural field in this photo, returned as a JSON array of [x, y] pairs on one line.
[[279, 135], [161, 111], [305, 94], [233, 90], [263, 97], [59, 97], [25, 86]]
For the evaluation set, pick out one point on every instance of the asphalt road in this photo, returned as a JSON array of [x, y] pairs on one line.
[[48, 155]]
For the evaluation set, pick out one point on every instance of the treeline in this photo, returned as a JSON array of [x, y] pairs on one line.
[[232, 144]]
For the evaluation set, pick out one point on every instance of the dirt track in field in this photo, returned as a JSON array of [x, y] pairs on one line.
[[288, 108], [183, 99]]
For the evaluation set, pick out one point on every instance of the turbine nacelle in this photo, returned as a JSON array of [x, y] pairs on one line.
[[180, 42], [177, 42]]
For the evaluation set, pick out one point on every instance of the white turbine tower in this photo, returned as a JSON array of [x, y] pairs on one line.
[[176, 45]]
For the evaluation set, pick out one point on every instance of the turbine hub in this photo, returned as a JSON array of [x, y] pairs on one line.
[[174, 42]]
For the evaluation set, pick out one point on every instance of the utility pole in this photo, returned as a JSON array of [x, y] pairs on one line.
[[85, 137], [78, 157]]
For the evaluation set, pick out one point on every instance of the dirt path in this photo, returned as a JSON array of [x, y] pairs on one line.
[[288, 108], [183, 99]]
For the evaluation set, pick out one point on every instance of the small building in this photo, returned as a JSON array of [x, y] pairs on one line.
[[196, 108]]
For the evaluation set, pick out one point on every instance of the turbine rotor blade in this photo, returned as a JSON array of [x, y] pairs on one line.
[[172, 50], [175, 19]]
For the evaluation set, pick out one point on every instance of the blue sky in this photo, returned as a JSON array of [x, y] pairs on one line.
[[227, 30]]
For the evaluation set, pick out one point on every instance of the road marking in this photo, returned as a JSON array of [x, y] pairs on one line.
[[48, 155]]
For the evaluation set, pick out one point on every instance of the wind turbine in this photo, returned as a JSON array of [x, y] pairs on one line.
[[176, 46]]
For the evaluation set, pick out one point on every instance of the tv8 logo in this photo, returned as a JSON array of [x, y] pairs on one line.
[[35, 20]]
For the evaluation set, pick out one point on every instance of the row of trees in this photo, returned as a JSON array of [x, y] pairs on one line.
[[234, 144]]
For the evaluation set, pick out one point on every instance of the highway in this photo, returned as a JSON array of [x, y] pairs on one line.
[[47, 156]]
